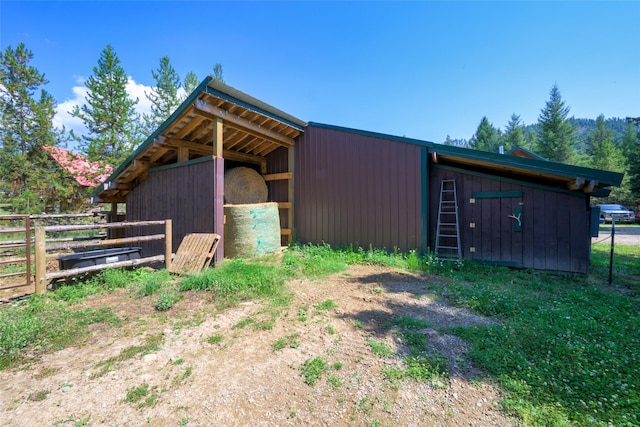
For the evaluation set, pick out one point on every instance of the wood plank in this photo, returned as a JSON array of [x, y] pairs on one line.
[[77, 271], [209, 111], [277, 176], [284, 205], [218, 137], [285, 231], [195, 253]]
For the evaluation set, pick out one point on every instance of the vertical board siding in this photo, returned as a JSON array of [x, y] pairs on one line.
[[184, 194], [353, 189], [278, 191], [555, 227]]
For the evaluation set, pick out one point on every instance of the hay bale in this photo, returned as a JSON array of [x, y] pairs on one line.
[[251, 230], [244, 185]]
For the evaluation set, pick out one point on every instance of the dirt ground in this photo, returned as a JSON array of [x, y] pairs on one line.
[[238, 378]]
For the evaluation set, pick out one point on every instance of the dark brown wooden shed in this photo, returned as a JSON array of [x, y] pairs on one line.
[[350, 187]]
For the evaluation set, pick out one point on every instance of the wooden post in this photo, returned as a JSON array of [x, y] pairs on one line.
[[27, 239], [290, 189], [218, 143], [168, 237], [41, 261]]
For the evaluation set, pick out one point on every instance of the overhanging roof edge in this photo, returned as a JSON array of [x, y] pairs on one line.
[[145, 144], [231, 94], [373, 134]]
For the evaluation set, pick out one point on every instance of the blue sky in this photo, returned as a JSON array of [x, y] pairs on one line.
[[418, 69]]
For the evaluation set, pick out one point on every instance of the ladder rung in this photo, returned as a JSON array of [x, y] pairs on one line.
[[449, 235], [447, 247]]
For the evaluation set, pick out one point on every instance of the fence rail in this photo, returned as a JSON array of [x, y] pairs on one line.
[[41, 245], [42, 278]]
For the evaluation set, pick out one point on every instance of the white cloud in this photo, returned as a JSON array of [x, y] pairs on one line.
[[63, 118]]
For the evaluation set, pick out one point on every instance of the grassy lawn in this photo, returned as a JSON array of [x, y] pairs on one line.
[[566, 349]]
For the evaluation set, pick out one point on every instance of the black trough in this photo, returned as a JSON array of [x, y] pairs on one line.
[[102, 256]]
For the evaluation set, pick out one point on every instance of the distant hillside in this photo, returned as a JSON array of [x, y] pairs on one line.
[[584, 126]]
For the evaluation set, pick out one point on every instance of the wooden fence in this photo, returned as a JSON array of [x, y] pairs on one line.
[[47, 247], [11, 245], [42, 278]]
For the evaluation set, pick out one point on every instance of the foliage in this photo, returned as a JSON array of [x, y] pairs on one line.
[[557, 137], [514, 135], [28, 174], [486, 138], [164, 96], [312, 370], [380, 348], [167, 299], [564, 351], [109, 114]]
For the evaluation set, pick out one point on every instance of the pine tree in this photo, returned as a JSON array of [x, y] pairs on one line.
[[632, 151], [486, 138], [601, 148], [217, 73], [27, 125], [164, 96], [109, 115], [514, 133], [190, 83], [556, 138]]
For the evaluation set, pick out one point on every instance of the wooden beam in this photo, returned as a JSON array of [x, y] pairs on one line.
[[218, 137], [285, 231], [277, 176], [111, 185], [284, 205], [183, 154], [209, 111], [576, 184], [590, 186]]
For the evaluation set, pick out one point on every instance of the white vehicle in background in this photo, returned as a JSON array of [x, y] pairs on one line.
[[621, 214]]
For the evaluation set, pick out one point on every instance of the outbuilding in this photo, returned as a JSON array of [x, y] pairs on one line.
[[345, 186]]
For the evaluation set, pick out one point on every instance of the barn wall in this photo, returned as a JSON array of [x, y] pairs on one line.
[[555, 234], [278, 162], [185, 194], [353, 188]]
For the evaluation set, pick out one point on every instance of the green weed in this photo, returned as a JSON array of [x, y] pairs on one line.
[[380, 348], [326, 305], [312, 370], [215, 339], [291, 341]]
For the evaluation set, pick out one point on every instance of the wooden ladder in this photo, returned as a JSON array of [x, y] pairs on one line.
[[448, 230]]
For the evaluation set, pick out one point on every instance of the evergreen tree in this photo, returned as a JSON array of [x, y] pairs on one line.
[[556, 138], [486, 138], [27, 125], [109, 115], [217, 73], [190, 83], [164, 96], [514, 133], [601, 148], [633, 163]]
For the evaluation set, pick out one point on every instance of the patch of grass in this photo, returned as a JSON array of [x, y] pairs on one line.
[[244, 323], [302, 313], [358, 323], [215, 339], [82, 422], [45, 324], [380, 348], [337, 366], [151, 344], [331, 330], [566, 349], [326, 305], [312, 370], [291, 341], [167, 299], [39, 396], [136, 394], [431, 368], [334, 381]]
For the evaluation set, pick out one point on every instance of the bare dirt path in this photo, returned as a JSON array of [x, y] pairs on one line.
[[209, 370]]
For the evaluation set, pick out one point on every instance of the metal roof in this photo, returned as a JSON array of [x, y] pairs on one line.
[[536, 170], [251, 130]]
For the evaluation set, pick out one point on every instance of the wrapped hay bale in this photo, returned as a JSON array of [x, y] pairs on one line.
[[244, 185], [251, 230]]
